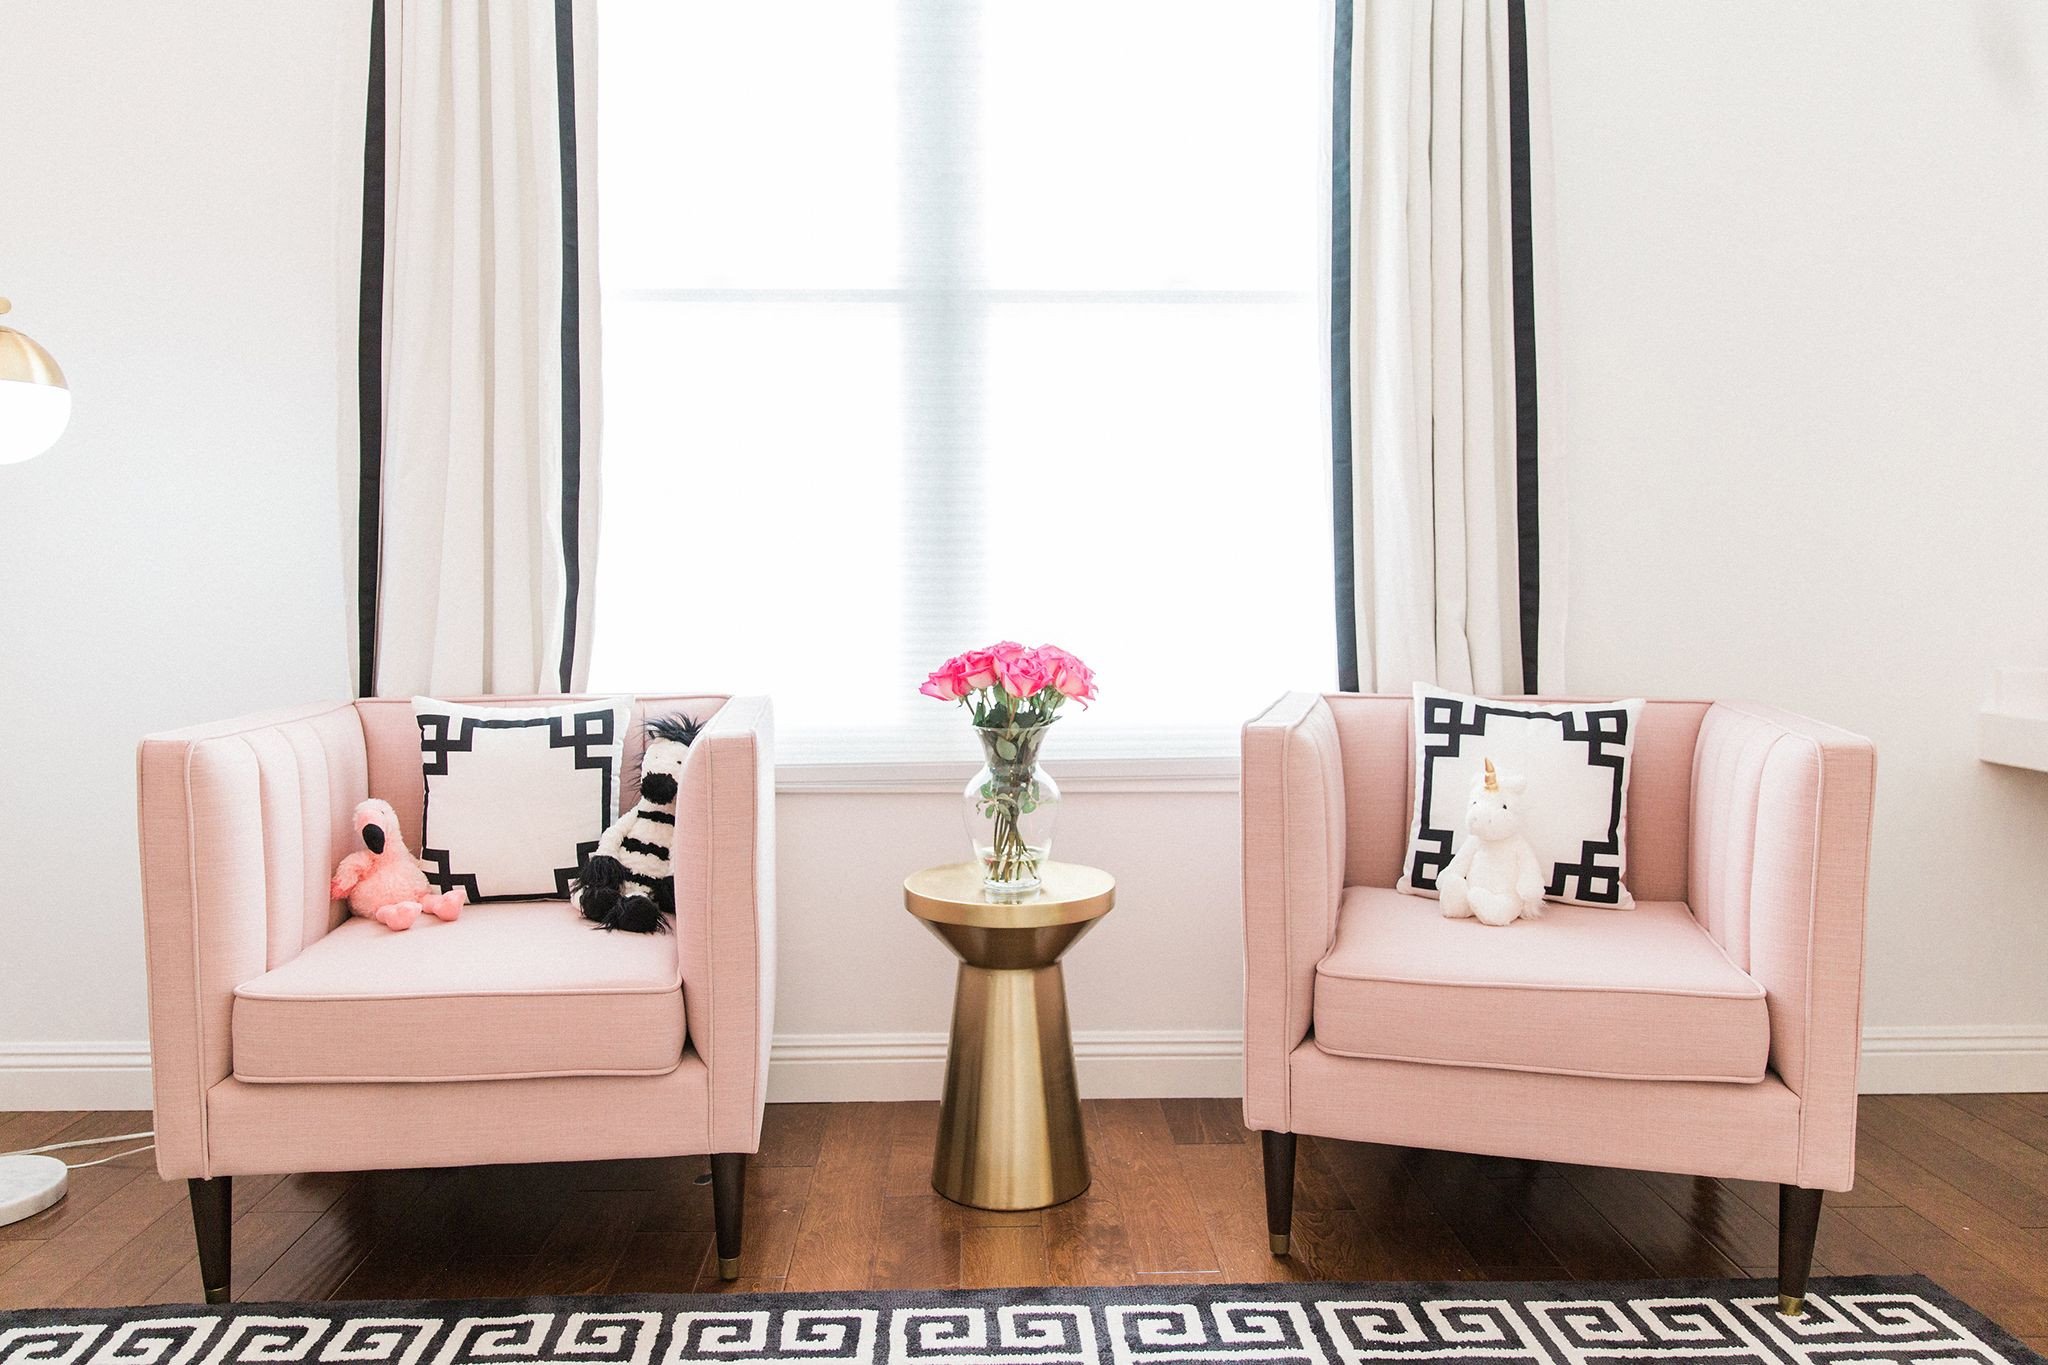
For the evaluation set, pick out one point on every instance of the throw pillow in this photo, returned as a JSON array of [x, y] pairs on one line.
[[517, 796], [1575, 759]]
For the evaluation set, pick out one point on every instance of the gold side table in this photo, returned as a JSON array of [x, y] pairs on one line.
[[1010, 1125]]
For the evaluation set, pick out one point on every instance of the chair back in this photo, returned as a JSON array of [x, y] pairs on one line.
[[1376, 734], [391, 741]]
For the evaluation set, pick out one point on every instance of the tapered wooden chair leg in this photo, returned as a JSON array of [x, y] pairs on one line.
[[1279, 1153], [213, 1208], [1798, 1225], [728, 1207]]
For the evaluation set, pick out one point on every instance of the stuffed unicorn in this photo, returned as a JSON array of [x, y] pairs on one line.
[[1495, 877]]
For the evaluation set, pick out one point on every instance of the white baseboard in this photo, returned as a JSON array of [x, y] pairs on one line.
[[1954, 1059], [74, 1076], [1126, 1064], [1132, 1064]]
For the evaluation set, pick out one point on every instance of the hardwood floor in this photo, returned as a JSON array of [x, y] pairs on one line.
[[1953, 1187]]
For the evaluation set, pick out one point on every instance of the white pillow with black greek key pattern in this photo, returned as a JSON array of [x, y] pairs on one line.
[[1575, 759], [517, 795]]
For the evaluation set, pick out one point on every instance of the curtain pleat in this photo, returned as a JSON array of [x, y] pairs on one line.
[[485, 513], [1435, 202]]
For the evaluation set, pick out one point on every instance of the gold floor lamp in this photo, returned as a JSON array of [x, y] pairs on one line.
[[35, 405]]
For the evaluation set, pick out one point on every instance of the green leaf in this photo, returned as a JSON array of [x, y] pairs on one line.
[[1007, 747], [1029, 805]]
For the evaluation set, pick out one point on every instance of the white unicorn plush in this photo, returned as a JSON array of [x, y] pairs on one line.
[[1495, 877]]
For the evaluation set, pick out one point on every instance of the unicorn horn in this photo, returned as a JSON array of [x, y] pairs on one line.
[[1492, 780]]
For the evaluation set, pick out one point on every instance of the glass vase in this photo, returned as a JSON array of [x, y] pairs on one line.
[[1010, 806]]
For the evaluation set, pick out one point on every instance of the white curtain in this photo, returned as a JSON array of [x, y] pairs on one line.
[[1455, 471], [479, 492]]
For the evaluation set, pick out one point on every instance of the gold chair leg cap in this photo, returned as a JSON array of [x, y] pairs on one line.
[[219, 1295], [1792, 1305], [1281, 1242], [728, 1267]]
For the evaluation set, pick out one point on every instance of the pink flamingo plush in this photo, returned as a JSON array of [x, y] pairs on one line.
[[385, 884]]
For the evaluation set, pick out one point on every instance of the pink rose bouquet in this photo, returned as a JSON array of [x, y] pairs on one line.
[[1012, 694], [1010, 687]]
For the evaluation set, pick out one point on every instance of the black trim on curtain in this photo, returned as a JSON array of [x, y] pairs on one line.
[[1527, 529], [1342, 544], [572, 348], [370, 370]]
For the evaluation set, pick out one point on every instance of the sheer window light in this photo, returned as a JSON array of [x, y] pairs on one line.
[[932, 323]]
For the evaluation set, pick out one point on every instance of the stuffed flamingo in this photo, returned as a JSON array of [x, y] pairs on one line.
[[386, 884]]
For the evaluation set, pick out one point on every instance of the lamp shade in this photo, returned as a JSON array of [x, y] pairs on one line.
[[35, 405]]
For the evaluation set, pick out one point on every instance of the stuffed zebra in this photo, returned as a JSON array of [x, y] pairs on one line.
[[630, 883]]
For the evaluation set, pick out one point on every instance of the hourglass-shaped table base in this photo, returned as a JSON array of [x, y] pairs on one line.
[[1010, 1124]]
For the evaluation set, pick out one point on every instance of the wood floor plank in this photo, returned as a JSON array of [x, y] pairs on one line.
[[1086, 1242], [777, 1199], [790, 1134], [840, 1197], [1000, 1257], [2020, 1252], [260, 1239], [913, 1138], [1660, 1234], [321, 1259], [484, 1276], [1718, 1214], [1135, 1160], [43, 1278], [1905, 1128], [1379, 1186], [665, 1261], [842, 1217], [919, 1247], [1184, 1121], [1579, 1237], [86, 1190], [2012, 1113], [1229, 1188], [1481, 1213], [2004, 1172], [2015, 1301], [584, 1249], [1205, 1121], [19, 1131], [746, 1284], [409, 1246]]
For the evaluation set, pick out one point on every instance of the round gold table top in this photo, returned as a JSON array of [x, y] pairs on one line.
[[1068, 893]]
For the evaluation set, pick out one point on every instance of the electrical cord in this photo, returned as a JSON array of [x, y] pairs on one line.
[[90, 1142]]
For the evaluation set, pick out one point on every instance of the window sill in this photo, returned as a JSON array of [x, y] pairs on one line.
[[1215, 774]]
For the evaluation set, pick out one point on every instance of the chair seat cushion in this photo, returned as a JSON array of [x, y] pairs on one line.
[[1580, 992], [527, 988]]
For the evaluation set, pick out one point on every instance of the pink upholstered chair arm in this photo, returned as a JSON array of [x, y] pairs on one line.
[[240, 826], [1293, 831], [1781, 854], [725, 912]]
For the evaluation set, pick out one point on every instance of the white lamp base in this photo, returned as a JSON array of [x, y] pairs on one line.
[[30, 1184]]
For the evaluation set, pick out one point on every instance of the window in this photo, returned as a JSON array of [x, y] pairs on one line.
[[930, 323]]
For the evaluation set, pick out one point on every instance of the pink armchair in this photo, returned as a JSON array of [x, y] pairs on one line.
[[527, 1036], [1713, 1030]]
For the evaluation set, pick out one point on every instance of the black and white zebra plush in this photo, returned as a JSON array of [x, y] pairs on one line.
[[629, 883]]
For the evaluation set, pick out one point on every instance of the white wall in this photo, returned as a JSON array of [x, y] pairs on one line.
[[1805, 326], [171, 217], [1803, 294], [866, 991]]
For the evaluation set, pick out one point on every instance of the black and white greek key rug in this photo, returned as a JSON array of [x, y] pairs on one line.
[[1681, 1322]]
